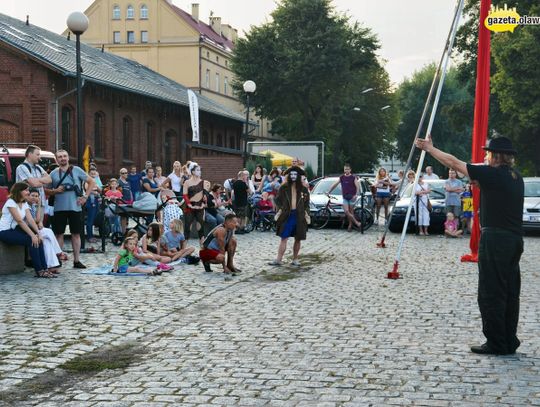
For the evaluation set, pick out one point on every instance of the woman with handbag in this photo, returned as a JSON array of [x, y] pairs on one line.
[[292, 218], [422, 206]]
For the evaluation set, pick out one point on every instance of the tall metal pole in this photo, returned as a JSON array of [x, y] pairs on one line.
[[244, 154], [80, 116]]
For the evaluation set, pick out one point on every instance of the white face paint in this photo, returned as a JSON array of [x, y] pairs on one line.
[[294, 175], [197, 172]]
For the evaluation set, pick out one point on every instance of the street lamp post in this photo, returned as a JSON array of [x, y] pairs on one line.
[[249, 87], [77, 23]]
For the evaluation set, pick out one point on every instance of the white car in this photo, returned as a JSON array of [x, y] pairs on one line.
[[531, 206]]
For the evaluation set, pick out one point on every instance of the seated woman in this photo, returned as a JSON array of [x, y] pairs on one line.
[[50, 244], [173, 243], [17, 227], [212, 217]]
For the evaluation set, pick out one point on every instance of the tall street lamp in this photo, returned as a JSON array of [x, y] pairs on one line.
[[249, 88], [77, 23]]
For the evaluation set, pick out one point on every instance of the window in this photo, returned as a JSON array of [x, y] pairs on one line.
[[217, 59], [144, 12], [116, 13], [116, 37], [144, 37], [150, 140], [99, 134], [225, 85], [217, 82], [131, 37], [207, 79], [219, 141], [207, 54], [226, 62], [130, 14], [232, 141], [67, 127], [127, 128]]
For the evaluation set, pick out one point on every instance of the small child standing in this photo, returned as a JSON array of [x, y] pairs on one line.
[[124, 258], [467, 202], [112, 195], [173, 242], [451, 226]]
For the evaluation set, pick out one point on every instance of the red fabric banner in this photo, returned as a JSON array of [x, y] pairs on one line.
[[481, 114]]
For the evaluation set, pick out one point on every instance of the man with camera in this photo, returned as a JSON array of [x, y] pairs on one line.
[[67, 181]]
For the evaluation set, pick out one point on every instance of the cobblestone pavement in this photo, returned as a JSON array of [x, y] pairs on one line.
[[335, 332]]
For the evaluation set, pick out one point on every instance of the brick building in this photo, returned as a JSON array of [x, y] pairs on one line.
[[131, 113]]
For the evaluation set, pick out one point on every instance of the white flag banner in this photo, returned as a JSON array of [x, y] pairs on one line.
[[194, 113]]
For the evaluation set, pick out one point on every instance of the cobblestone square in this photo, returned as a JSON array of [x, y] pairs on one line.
[[335, 332]]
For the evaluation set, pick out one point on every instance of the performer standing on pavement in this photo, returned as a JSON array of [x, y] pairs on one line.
[[350, 188], [501, 242]]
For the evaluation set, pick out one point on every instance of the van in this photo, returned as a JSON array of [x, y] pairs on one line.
[[10, 158]]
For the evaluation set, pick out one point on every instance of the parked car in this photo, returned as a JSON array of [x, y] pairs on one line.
[[10, 158], [318, 197], [437, 216], [531, 206]]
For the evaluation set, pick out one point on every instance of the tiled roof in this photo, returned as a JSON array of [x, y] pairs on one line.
[[203, 29], [58, 53]]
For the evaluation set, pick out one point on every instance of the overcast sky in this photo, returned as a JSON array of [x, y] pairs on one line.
[[411, 33]]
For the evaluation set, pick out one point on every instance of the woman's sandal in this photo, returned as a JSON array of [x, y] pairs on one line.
[[156, 272], [45, 274], [54, 271]]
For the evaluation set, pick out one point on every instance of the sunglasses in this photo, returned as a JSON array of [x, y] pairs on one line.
[[122, 173]]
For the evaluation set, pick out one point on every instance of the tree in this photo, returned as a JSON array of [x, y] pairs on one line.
[[310, 66], [515, 101], [452, 127]]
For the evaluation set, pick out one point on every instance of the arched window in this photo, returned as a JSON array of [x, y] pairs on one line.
[[67, 127], [144, 12], [150, 141], [130, 12], [219, 141], [99, 134], [232, 141], [127, 130], [116, 12]]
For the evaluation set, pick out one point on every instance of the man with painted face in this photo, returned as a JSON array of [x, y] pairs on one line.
[[293, 214]]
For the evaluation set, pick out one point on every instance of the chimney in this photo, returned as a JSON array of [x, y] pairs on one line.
[[195, 11], [215, 23], [226, 31]]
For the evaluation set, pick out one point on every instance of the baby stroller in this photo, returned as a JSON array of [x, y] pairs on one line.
[[262, 217]]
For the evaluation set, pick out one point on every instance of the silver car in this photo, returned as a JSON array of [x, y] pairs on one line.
[[531, 206]]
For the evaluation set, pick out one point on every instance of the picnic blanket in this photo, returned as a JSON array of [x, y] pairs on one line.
[[106, 271]]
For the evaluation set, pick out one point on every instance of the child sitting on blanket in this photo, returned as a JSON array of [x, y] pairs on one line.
[[149, 243], [124, 258], [173, 243], [147, 258]]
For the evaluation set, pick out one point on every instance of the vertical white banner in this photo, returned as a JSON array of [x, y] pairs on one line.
[[194, 113]]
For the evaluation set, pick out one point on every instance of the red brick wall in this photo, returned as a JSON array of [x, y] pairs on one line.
[[217, 169], [28, 92]]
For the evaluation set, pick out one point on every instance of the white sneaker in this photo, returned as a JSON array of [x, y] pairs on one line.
[[275, 263], [295, 263]]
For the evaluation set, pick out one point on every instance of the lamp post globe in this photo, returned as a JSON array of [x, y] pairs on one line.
[[249, 87], [77, 22]]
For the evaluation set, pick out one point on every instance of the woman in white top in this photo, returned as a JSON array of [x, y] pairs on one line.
[[421, 206], [175, 179], [382, 196], [17, 227], [159, 177]]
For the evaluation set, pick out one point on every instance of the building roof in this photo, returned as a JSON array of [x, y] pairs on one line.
[[58, 53], [204, 29]]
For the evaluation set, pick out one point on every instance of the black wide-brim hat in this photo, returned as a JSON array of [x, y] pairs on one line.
[[299, 170], [500, 145]]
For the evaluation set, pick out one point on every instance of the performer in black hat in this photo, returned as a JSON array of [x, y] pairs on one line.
[[501, 242]]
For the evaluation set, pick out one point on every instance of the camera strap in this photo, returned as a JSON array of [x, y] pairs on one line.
[[68, 172]]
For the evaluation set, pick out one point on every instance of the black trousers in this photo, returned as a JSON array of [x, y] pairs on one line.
[[499, 286], [195, 215]]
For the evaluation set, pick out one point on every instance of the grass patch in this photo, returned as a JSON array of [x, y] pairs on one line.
[[314, 259], [280, 277], [113, 358]]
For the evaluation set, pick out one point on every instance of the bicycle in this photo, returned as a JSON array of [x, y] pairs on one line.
[[323, 215]]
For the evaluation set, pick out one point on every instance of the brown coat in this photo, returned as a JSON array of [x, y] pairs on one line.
[[283, 203]]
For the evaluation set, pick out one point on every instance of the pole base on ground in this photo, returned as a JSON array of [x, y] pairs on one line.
[[381, 244], [470, 258], [394, 274]]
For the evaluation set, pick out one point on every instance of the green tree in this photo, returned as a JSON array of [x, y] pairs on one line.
[[515, 101], [452, 127], [310, 65]]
